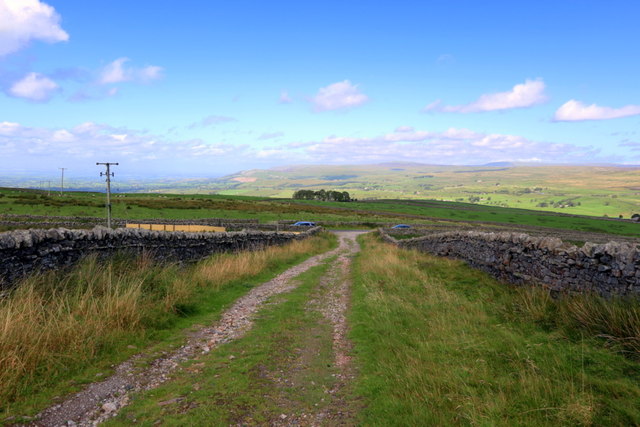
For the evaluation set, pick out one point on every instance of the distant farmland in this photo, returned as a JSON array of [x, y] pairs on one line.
[[584, 190]]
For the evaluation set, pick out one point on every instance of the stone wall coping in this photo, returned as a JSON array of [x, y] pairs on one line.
[[28, 238], [621, 250]]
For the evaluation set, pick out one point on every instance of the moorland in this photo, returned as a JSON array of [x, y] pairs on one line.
[[17, 204], [581, 190], [430, 338]]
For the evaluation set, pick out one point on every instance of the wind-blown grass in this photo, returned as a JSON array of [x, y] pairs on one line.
[[439, 343], [615, 320], [284, 364], [54, 326]]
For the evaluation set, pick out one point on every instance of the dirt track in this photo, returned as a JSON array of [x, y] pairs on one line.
[[102, 400]]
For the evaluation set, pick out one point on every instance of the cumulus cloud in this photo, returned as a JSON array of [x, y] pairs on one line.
[[114, 72], [574, 110], [452, 146], [338, 96], [9, 128], [22, 21], [150, 73], [118, 72], [90, 141], [211, 121], [34, 87], [285, 98], [104, 80], [523, 95]]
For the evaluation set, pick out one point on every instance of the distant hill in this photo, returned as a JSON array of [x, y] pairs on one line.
[[588, 190], [500, 164], [591, 190]]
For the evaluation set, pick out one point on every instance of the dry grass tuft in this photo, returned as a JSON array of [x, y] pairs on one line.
[[439, 343], [222, 268], [616, 320], [53, 324]]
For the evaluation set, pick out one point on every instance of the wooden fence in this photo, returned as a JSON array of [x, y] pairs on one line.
[[178, 227]]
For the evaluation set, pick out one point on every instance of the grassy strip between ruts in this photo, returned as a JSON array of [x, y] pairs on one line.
[[59, 331], [278, 373], [439, 343]]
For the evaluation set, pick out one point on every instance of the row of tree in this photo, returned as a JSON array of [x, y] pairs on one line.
[[326, 196]]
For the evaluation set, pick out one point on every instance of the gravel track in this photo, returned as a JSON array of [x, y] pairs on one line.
[[333, 307], [331, 299], [102, 400]]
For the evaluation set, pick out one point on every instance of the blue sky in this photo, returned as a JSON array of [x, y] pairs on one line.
[[213, 87]]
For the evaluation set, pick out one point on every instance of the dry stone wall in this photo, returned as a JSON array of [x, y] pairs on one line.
[[607, 269], [25, 251]]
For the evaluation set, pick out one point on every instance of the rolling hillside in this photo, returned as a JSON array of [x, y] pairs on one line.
[[587, 190]]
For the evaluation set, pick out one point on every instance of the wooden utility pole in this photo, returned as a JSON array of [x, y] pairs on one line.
[[108, 174], [62, 180]]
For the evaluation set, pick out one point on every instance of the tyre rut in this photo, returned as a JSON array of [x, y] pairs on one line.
[[102, 400]]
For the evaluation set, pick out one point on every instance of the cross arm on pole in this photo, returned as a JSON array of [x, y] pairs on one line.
[[108, 174]]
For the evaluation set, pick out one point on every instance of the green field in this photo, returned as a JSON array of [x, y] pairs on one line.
[[581, 190], [585, 190], [434, 340], [132, 206]]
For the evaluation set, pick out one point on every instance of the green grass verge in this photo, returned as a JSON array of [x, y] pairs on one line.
[[439, 343]]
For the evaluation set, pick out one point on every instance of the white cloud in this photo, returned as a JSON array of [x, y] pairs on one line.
[[24, 20], [118, 72], [576, 111], [338, 96], [452, 146], [62, 135], [523, 95], [89, 142], [114, 72], [8, 128], [94, 141], [34, 87], [285, 98], [150, 73]]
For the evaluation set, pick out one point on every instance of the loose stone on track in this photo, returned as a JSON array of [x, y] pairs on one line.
[[102, 400]]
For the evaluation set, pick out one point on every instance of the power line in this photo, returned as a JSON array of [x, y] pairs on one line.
[[108, 174]]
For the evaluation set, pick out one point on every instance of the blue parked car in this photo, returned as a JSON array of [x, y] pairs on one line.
[[401, 226], [305, 224]]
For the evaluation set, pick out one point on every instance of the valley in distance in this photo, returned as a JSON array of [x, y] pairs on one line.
[[608, 190]]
